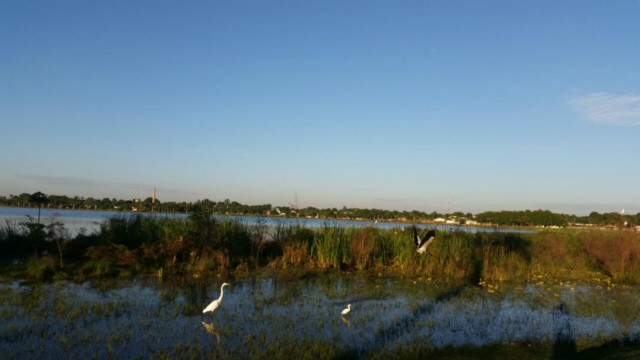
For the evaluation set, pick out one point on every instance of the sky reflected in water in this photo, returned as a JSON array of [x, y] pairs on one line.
[[151, 318]]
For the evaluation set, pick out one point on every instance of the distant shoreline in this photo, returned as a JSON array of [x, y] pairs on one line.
[[77, 218], [525, 219]]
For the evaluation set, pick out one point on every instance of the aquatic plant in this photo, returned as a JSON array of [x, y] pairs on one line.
[[273, 317], [330, 246], [559, 254], [361, 246], [614, 253], [40, 268], [290, 246], [201, 245]]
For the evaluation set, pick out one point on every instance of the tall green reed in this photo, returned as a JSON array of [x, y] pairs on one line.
[[331, 246], [200, 244]]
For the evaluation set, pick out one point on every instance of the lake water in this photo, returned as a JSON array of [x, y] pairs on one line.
[[262, 316], [89, 221]]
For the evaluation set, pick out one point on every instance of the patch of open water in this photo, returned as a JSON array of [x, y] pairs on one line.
[[89, 221], [147, 318]]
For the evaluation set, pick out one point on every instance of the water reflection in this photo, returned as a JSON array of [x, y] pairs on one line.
[[211, 329], [149, 319]]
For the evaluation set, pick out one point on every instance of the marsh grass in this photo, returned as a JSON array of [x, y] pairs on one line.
[[361, 245], [616, 254], [290, 247], [331, 247], [560, 254], [201, 245], [42, 268]]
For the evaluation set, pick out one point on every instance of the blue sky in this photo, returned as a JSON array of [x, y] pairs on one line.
[[410, 105]]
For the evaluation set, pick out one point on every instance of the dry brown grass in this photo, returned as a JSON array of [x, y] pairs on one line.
[[164, 253], [615, 253], [559, 254], [115, 254], [362, 245], [294, 254], [212, 261]]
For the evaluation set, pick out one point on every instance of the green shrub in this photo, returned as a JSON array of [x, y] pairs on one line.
[[41, 268]]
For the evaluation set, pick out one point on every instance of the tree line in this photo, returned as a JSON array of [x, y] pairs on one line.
[[544, 218]]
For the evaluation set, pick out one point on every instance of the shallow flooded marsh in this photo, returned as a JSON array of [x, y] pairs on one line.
[[274, 318]]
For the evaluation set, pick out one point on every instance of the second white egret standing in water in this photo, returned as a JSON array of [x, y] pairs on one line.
[[346, 310], [215, 303]]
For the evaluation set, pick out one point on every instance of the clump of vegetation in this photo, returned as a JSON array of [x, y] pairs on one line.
[[614, 253], [201, 244], [290, 246], [361, 245]]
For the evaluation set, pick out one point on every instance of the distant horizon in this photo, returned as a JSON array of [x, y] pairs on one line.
[[627, 211], [423, 105]]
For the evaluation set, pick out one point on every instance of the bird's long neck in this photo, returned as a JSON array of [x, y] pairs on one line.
[[221, 292]]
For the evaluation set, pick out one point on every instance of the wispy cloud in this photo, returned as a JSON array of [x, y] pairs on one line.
[[608, 109]]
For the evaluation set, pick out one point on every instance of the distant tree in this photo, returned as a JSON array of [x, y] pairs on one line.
[[147, 204], [39, 199], [91, 203], [208, 206], [23, 199]]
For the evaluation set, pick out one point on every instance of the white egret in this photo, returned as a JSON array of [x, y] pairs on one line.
[[215, 303], [423, 244], [346, 310]]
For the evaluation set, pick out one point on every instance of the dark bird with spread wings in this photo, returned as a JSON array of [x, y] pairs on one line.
[[423, 244]]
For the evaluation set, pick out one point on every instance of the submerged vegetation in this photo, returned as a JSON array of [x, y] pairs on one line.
[[270, 317], [201, 244]]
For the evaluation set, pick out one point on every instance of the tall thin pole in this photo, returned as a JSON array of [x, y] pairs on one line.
[[153, 199]]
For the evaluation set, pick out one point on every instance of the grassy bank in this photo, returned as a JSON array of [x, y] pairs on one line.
[[200, 245]]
